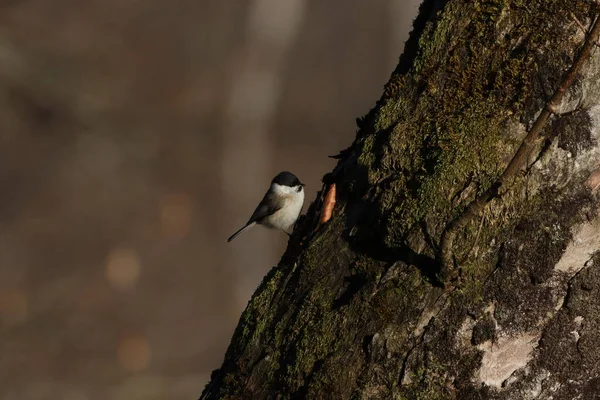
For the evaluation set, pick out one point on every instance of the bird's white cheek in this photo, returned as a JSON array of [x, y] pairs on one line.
[[284, 190]]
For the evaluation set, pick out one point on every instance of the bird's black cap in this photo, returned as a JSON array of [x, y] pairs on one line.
[[286, 178]]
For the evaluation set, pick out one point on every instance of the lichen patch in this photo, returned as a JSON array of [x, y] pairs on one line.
[[586, 240], [502, 358]]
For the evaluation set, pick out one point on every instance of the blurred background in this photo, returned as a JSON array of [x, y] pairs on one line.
[[135, 137]]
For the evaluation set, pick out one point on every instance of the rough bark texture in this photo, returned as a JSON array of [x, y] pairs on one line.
[[355, 310]]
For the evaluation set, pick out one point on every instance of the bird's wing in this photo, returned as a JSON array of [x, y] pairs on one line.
[[268, 206]]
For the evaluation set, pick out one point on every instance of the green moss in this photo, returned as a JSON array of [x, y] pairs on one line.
[[445, 122], [253, 322], [430, 383]]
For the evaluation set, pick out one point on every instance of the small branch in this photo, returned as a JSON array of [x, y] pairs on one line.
[[582, 27], [465, 258], [533, 137], [579, 24]]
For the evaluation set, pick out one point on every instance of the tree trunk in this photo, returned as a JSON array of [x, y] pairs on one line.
[[362, 307]]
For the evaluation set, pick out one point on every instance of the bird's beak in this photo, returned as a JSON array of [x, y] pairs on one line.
[[302, 184]]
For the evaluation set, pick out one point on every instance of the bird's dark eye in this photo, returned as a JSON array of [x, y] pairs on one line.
[[299, 189]]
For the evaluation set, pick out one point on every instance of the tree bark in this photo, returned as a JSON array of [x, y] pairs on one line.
[[359, 307]]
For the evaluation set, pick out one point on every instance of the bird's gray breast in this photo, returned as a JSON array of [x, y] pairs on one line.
[[286, 216]]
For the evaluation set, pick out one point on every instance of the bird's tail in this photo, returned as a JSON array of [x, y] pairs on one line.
[[239, 232]]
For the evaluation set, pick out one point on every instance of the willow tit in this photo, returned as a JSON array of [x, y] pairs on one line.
[[280, 207]]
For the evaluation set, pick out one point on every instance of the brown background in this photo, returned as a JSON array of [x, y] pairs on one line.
[[135, 137]]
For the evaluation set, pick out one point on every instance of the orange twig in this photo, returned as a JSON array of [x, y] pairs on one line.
[[328, 204]]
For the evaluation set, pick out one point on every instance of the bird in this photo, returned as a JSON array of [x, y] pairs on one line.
[[280, 206]]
